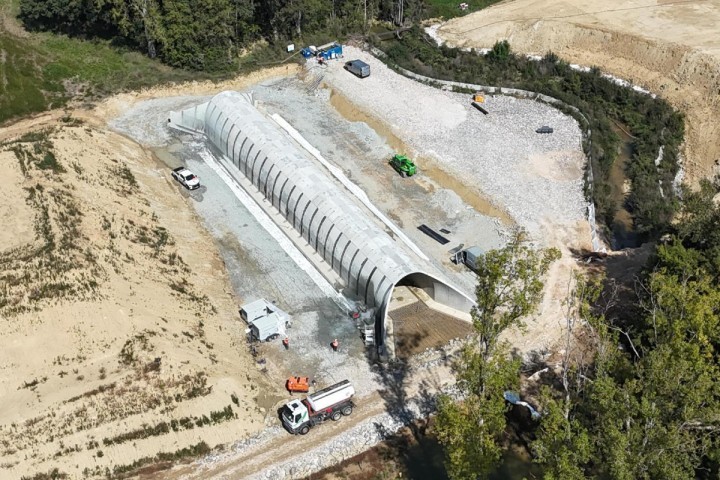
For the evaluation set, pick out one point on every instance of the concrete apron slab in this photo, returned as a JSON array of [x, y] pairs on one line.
[[404, 296]]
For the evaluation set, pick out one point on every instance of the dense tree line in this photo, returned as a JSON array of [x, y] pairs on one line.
[[209, 34], [651, 408], [637, 398], [652, 121]]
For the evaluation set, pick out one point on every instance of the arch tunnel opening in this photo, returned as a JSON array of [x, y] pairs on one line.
[[422, 312]]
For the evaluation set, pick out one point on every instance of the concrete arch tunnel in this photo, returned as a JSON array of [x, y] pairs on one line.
[[367, 261]]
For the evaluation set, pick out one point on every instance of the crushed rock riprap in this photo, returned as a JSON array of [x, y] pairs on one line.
[[347, 444]]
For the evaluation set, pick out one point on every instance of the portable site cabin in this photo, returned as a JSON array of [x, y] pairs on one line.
[[267, 328], [471, 256], [265, 320], [260, 308], [327, 51], [468, 256], [332, 51]]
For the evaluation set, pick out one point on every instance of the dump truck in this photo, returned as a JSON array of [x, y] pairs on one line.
[[404, 166], [299, 416], [468, 256]]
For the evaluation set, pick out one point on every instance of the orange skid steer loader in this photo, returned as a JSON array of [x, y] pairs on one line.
[[297, 384]]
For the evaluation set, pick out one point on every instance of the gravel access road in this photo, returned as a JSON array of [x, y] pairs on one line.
[[536, 178], [257, 265]]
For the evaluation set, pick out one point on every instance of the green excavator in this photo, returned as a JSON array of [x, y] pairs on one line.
[[404, 166]]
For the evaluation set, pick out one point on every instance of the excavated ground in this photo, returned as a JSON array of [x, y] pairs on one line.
[[670, 47]]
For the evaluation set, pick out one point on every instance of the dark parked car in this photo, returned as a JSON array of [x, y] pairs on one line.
[[544, 129]]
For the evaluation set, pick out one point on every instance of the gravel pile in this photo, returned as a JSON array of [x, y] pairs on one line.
[[525, 172]]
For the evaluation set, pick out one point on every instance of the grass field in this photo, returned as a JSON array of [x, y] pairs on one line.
[[39, 71], [44, 71]]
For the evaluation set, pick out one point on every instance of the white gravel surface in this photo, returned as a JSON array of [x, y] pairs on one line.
[[449, 202], [524, 172]]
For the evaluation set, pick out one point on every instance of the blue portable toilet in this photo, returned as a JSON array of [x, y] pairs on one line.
[[333, 51]]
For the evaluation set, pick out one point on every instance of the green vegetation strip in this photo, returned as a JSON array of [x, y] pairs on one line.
[[44, 71], [185, 423], [126, 471], [652, 121]]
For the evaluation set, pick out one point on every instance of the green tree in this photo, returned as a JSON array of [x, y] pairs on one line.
[[562, 444], [509, 288], [700, 220], [470, 429], [302, 16], [500, 51], [652, 409], [140, 21], [198, 34], [71, 17]]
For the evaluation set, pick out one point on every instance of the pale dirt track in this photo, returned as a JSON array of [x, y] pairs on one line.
[[269, 458], [669, 47]]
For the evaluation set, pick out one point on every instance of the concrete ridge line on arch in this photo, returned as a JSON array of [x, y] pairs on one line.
[[274, 231], [347, 183]]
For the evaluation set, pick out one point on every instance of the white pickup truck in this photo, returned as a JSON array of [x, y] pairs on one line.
[[186, 178]]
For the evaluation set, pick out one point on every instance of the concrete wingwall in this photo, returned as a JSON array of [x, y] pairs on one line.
[[366, 260]]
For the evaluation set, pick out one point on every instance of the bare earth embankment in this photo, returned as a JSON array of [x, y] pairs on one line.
[[120, 331], [669, 47]]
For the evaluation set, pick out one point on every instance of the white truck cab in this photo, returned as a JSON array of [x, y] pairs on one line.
[[298, 416]]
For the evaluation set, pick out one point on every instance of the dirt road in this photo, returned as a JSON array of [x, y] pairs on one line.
[[285, 456], [669, 47]]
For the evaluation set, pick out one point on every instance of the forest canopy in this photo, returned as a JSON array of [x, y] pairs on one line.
[[209, 34]]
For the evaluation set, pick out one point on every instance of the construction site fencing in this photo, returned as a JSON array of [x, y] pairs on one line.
[[597, 243]]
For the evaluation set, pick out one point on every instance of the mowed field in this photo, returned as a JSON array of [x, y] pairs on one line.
[[669, 47]]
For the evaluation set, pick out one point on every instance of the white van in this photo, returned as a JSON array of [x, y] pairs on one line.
[[358, 67]]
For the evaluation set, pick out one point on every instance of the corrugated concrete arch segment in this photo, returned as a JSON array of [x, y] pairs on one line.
[[362, 254]]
